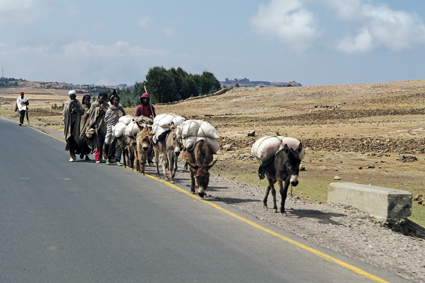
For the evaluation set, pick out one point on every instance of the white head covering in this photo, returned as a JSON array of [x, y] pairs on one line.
[[72, 92]]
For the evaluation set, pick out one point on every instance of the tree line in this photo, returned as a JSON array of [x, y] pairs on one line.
[[169, 85]]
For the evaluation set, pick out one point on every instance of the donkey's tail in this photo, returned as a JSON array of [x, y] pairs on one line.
[[261, 172]]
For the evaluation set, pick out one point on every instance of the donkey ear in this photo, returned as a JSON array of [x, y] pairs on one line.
[[192, 165], [171, 126], [211, 164], [139, 126], [300, 147], [286, 148]]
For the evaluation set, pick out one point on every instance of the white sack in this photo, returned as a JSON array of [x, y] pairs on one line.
[[165, 119], [197, 128], [192, 131], [266, 147], [119, 129], [125, 119], [131, 129], [189, 142], [162, 122]]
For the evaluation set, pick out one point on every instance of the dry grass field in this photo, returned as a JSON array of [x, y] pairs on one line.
[[367, 133]]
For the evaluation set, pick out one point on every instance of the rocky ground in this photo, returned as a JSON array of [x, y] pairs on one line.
[[336, 227]]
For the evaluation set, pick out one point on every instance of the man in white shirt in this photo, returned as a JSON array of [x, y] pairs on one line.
[[22, 103]]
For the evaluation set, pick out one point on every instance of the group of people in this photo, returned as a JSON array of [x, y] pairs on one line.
[[88, 126]]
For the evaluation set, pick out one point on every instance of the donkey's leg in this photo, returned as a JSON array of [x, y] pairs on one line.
[[274, 199], [265, 197], [131, 157], [192, 182], [269, 187], [283, 193], [164, 162], [175, 157], [142, 162], [171, 165], [136, 159], [156, 162]]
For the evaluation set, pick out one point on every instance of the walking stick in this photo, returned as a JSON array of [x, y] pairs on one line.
[[28, 119], [153, 115]]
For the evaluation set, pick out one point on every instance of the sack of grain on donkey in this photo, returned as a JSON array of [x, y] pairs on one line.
[[119, 129], [126, 119], [162, 123], [131, 129], [192, 131], [266, 147]]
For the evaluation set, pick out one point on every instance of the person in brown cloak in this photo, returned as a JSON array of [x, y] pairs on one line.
[[72, 111], [84, 148], [97, 126]]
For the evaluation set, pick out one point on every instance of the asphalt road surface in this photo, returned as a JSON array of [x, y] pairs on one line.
[[64, 221]]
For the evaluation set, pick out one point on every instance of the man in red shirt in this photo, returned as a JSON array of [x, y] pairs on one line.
[[145, 108]]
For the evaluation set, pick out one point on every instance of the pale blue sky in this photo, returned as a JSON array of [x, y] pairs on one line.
[[314, 42]]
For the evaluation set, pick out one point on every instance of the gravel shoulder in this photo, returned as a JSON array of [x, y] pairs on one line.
[[336, 227]]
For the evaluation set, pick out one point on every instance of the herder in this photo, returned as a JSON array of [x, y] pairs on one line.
[[97, 125], [72, 111], [21, 106]]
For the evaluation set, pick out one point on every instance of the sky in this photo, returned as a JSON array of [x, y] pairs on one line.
[[313, 42]]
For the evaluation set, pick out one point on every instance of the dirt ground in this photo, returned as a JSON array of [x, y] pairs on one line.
[[369, 134]]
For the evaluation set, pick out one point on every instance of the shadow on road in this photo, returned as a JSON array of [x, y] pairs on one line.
[[323, 217]]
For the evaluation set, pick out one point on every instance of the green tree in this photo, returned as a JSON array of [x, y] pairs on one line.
[[160, 85], [209, 83]]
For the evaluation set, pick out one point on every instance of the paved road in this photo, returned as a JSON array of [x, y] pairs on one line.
[[87, 222]]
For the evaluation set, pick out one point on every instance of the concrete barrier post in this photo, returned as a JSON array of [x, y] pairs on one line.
[[382, 203]]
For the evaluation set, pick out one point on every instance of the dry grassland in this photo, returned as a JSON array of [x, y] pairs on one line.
[[356, 132]]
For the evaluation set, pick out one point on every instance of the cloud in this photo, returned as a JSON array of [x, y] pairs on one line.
[[120, 49], [288, 21], [24, 11], [37, 49], [377, 27], [3, 44], [367, 26], [144, 23]]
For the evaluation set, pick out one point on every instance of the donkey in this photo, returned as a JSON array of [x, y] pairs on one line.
[[170, 147], [284, 167], [128, 145], [143, 148], [200, 160]]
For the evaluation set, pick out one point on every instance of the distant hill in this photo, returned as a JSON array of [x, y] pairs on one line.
[[247, 83], [87, 88]]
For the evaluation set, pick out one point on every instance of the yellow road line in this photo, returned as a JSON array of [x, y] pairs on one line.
[[314, 251], [302, 246]]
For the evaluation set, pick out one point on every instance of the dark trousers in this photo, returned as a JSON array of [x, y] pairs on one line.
[[21, 116], [109, 152]]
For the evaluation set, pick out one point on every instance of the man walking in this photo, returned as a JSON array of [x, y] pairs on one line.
[[21, 105]]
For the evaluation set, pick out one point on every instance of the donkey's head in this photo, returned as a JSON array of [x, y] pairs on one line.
[[202, 176], [177, 145], [143, 138], [292, 163]]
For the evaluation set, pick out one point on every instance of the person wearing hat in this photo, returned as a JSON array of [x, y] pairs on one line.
[[72, 111], [97, 126], [145, 108], [21, 106]]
